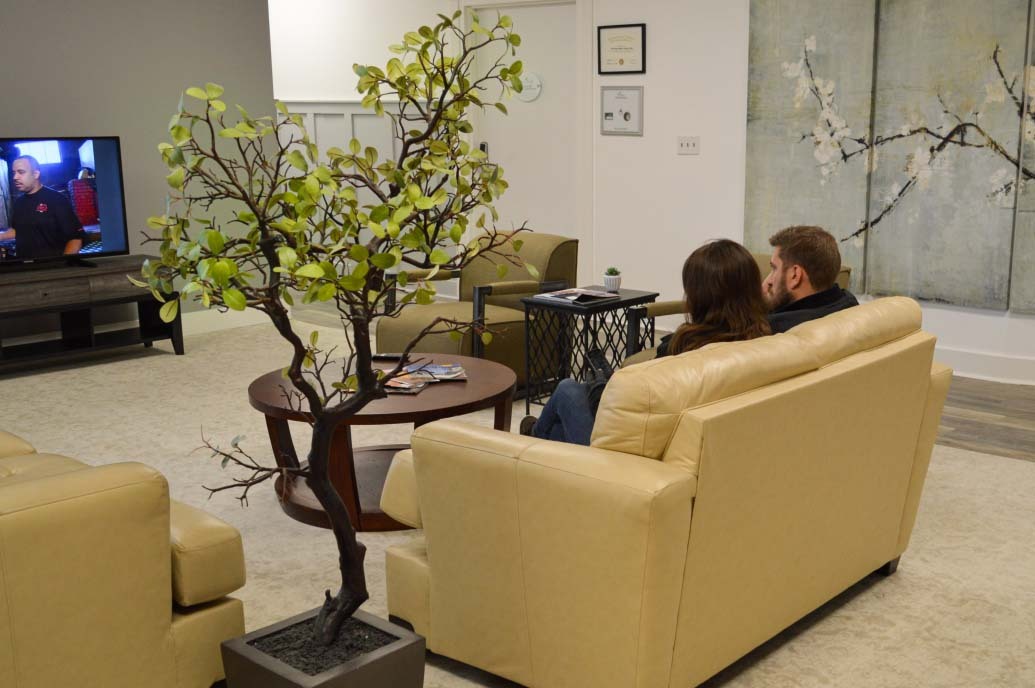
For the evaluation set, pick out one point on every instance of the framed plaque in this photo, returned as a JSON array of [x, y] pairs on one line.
[[621, 110], [622, 49]]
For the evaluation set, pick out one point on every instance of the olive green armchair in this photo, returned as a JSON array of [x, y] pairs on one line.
[[645, 315], [483, 297]]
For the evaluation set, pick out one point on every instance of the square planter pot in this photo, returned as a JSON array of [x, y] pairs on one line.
[[399, 664]]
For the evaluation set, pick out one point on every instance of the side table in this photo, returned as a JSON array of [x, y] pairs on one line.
[[558, 335], [358, 473]]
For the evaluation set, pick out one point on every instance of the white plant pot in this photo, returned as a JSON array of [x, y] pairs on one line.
[[612, 282]]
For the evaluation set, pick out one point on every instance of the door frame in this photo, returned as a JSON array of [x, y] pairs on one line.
[[584, 119]]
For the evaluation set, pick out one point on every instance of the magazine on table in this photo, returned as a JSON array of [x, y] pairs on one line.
[[577, 295], [417, 376]]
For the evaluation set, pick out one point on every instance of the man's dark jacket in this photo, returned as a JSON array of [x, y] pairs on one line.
[[810, 308]]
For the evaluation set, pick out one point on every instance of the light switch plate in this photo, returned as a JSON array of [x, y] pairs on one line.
[[688, 145]]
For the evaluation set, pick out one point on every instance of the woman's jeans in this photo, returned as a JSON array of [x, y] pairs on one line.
[[567, 416]]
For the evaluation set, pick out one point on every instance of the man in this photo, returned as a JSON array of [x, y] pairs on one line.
[[43, 222], [802, 285]]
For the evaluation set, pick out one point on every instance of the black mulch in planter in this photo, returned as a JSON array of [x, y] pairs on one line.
[[295, 646]]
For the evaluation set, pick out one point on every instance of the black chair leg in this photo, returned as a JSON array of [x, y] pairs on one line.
[[889, 568]]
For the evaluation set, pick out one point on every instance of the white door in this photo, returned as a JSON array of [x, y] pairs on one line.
[[535, 143]]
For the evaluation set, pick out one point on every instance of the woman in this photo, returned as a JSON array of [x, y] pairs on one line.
[[722, 289]]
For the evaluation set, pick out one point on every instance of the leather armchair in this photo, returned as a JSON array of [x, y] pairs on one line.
[[106, 582], [650, 311], [727, 492], [483, 297]]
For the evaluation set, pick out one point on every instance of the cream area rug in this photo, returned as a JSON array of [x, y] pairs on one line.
[[960, 611]]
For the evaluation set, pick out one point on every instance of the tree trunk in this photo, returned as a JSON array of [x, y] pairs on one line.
[[351, 552]]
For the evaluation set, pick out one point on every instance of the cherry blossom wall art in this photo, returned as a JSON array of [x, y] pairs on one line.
[[905, 128]]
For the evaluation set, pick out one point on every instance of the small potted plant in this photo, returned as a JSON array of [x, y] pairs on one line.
[[612, 279]]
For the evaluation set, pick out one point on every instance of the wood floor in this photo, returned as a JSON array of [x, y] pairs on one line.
[[990, 417]]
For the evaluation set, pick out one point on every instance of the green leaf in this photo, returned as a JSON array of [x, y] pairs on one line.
[[296, 159], [402, 278], [312, 186], [456, 335], [383, 261], [287, 256], [439, 257], [310, 271], [218, 105], [501, 270], [231, 133], [169, 310], [514, 39], [282, 109], [215, 241], [354, 146], [234, 299], [195, 92], [313, 337], [501, 107], [220, 272], [425, 203], [213, 90], [180, 134], [327, 291], [351, 283], [377, 229], [486, 338], [532, 270], [175, 178], [359, 253]]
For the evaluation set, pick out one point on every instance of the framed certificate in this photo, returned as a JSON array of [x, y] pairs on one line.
[[621, 110], [622, 49]]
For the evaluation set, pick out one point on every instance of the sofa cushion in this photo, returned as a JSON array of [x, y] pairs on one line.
[[207, 556], [12, 445], [860, 328], [642, 403], [17, 469]]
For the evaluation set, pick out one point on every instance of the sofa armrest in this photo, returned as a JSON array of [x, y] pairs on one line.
[[399, 497], [86, 576], [12, 445], [509, 288], [207, 556], [660, 308], [531, 543]]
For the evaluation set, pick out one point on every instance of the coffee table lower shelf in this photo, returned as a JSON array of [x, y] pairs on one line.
[[371, 467]]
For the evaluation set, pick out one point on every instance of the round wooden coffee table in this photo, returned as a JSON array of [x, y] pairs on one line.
[[358, 474]]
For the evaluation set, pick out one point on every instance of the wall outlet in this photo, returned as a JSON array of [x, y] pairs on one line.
[[688, 145]]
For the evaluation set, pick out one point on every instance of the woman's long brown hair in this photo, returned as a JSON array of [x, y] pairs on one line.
[[723, 291]]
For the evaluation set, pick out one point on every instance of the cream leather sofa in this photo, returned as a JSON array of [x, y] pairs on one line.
[[105, 582], [727, 493]]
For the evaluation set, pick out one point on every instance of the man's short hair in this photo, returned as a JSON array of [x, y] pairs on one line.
[[34, 164], [812, 248]]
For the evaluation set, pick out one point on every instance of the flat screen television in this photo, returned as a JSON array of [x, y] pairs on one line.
[[61, 198]]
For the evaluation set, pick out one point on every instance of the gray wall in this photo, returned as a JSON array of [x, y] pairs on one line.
[[116, 68]]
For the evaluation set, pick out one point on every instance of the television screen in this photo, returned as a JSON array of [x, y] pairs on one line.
[[61, 197]]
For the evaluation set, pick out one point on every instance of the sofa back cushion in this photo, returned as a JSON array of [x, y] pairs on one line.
[[642, 405]]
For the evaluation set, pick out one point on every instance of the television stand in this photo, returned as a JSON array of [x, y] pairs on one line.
[[76, 260], [74, 292]]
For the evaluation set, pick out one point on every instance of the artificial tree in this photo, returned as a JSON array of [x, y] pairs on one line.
[[349, 232]]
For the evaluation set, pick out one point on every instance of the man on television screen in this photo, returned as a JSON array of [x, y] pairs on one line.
[[43, 222]]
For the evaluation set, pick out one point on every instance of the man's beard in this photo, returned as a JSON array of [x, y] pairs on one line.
[[779, 298]]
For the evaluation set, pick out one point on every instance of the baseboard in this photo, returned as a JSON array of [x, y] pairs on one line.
[[211, 320], [982, 365]]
